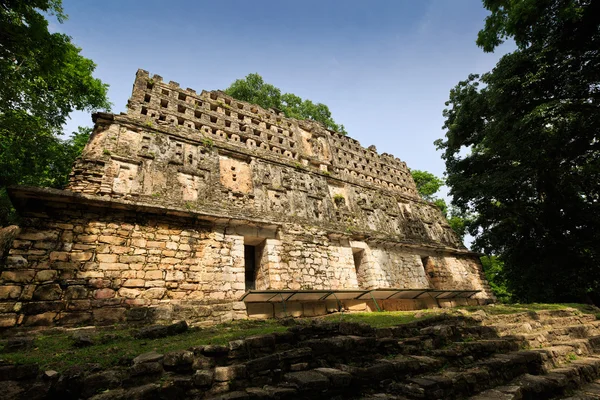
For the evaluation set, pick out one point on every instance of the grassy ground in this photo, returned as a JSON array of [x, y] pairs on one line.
[[116, 345]]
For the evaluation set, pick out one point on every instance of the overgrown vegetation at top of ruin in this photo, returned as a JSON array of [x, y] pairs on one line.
[[255, 90]]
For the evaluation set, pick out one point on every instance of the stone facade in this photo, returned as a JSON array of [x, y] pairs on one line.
[[179, 206]]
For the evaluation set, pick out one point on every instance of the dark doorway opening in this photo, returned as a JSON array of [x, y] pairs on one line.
[[250, 266], [358, 255]]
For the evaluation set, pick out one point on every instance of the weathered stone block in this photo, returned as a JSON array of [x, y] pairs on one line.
[[154, 293], [47, 292], [106, 316], [203, 378], [308, 380], [76, 292], [260, 310], [181, 360], [114, 240], [46, 275], [134, 283], [81, 256], [19, 276], [45, 319], [224, 374]]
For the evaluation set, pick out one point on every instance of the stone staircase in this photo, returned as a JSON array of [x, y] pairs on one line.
[[541, 355], [531, 355]]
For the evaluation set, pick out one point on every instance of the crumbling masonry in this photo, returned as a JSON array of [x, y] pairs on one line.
[[178, 207]]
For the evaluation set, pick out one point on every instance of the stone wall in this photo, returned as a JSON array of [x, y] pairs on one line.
[[81, 266], [160, 206], [211, 153]]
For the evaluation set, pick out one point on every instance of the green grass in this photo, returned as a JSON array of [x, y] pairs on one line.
[[383, 319], [56, 351], [518, 308], [115, 345]]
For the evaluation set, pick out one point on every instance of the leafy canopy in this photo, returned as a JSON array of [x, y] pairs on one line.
[[255, 90], [428, 186], [44, 78], [522, 148]]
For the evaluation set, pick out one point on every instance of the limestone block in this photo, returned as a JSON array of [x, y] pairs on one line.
[[107, 258], [104, 293], [259, 310], [153, 275], [16, 261], [154, 293], [37, 235], [44, 319], [7, 320], [10, 292], [81, 256], [224, 374], [47, 292], [115, 240], [59, 256], [76, 292], [107, 316], [175, 276], [129, 293], [134, 283], [20, 276]]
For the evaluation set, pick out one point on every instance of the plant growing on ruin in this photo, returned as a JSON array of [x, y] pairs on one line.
[[207, 142], [338, 199], [106, 152]]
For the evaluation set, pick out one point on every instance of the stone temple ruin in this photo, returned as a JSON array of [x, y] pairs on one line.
[[202, 207]]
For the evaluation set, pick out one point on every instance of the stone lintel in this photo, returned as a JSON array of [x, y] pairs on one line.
[[23, 196]]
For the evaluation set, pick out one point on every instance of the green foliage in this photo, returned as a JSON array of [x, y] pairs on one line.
[[255, 90], [338, 199], [43, 74], [44, 78], [494, 273], [522, 148], [207, 142], [427, 184], [40, 159]]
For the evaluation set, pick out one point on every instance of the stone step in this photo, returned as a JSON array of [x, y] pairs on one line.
[[540, 318], [591, 391], [492, 371], [544, 336], [476, 349], [460, 382], [556, 382], [556, 356]]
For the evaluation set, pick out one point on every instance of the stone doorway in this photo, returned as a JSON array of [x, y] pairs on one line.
[[250, 266], [253, 254]]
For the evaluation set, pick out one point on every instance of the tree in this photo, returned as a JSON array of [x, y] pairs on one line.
[[253, 89], [44, 78], [522, 148], [428, 186], [427, 183]]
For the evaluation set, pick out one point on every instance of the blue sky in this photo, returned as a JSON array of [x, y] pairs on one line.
[[384, 68]]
